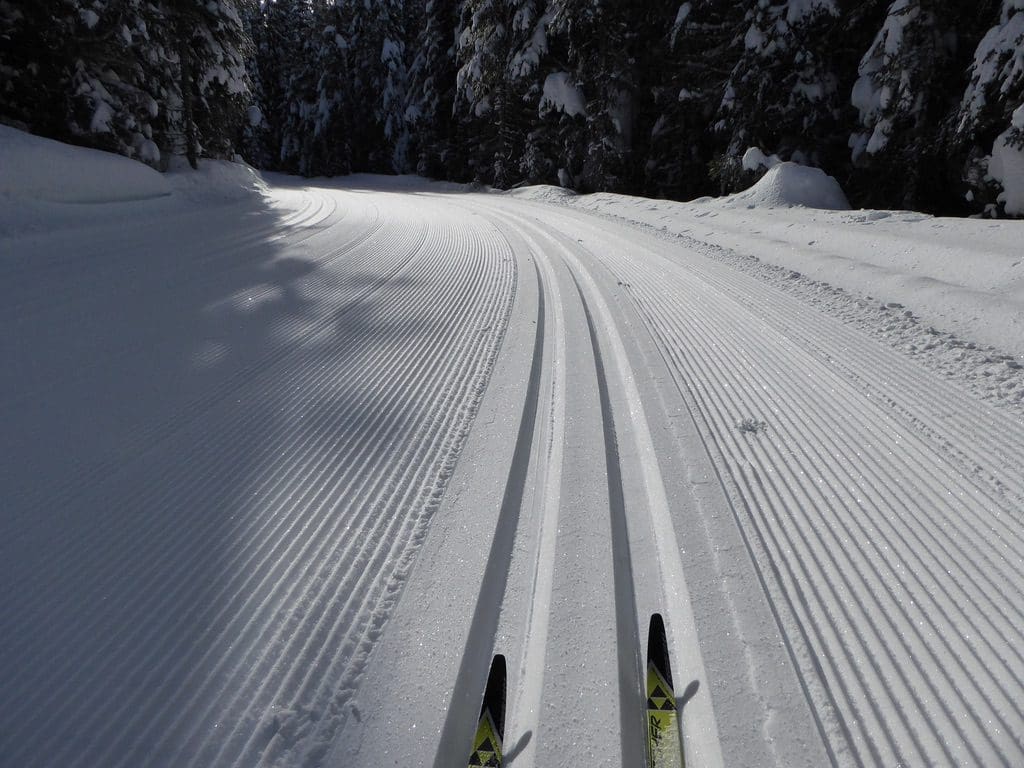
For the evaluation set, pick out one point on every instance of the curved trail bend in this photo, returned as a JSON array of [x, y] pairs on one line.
[[280, 485]]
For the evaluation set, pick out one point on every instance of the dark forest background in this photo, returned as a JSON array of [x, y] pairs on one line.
[[903, 101]]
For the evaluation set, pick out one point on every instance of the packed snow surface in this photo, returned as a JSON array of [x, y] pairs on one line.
[[40, 169], [284, 468], [961, 281]]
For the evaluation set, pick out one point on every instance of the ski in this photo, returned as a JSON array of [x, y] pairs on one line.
[[664, 744], [487, 746]]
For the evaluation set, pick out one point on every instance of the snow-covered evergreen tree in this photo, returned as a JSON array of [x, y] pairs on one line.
[[600, 78], [522, 155], [990, 122], [257, 141], [782, 94], [378, 74], [909, 84], [331, 152], [431, 95], [34, 65], [108, 84], [482, 90], [698, 61], [213, 90]]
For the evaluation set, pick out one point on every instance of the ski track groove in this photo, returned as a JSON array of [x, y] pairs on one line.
[[623, 576], [690, 332], [943, 408], [305, 668], [670, 583], [456, 730], [439, 394], [526, 708], [308, 477], [149, 434], [885, 532]]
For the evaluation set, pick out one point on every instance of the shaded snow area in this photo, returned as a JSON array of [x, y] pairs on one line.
[[34, 168], [287, 462], [44, 181]]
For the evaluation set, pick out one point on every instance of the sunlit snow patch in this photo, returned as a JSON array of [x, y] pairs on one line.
[[788, 184]]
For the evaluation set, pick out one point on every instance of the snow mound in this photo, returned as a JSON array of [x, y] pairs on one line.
[[215, 180], [35, 168], [787, 185], [545, 193]]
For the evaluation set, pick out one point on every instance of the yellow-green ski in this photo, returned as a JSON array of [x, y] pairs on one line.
[[664, 745], [487, 743]]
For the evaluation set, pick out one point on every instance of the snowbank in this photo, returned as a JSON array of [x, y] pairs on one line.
[[543, 193], [964, 276], [34, 168], [215, 180], [46, 185], [788, 184]]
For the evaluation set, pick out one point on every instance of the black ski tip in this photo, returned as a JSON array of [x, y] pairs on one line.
[[657, 647], [494, 694]]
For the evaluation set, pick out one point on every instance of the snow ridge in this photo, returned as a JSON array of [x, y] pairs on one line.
[[230, 572]]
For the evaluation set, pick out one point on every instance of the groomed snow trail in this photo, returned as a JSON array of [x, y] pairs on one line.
[[211, 509], [279, 482]]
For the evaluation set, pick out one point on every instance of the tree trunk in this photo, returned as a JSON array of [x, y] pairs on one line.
[[187, 94]]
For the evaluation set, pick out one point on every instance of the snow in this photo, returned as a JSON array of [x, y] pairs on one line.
[[963, 277], [683, 14], [285, 463], [39, 178], [102, 117], [89, 17], [1007, 168], [216, 180], [561, 95], [34, 168], [787, 185], [873, 100], [998, 60], [254, 116], [754, 159], [527, 59], [798, 10]]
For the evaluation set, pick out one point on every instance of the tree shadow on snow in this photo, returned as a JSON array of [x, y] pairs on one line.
[[173, 405]]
